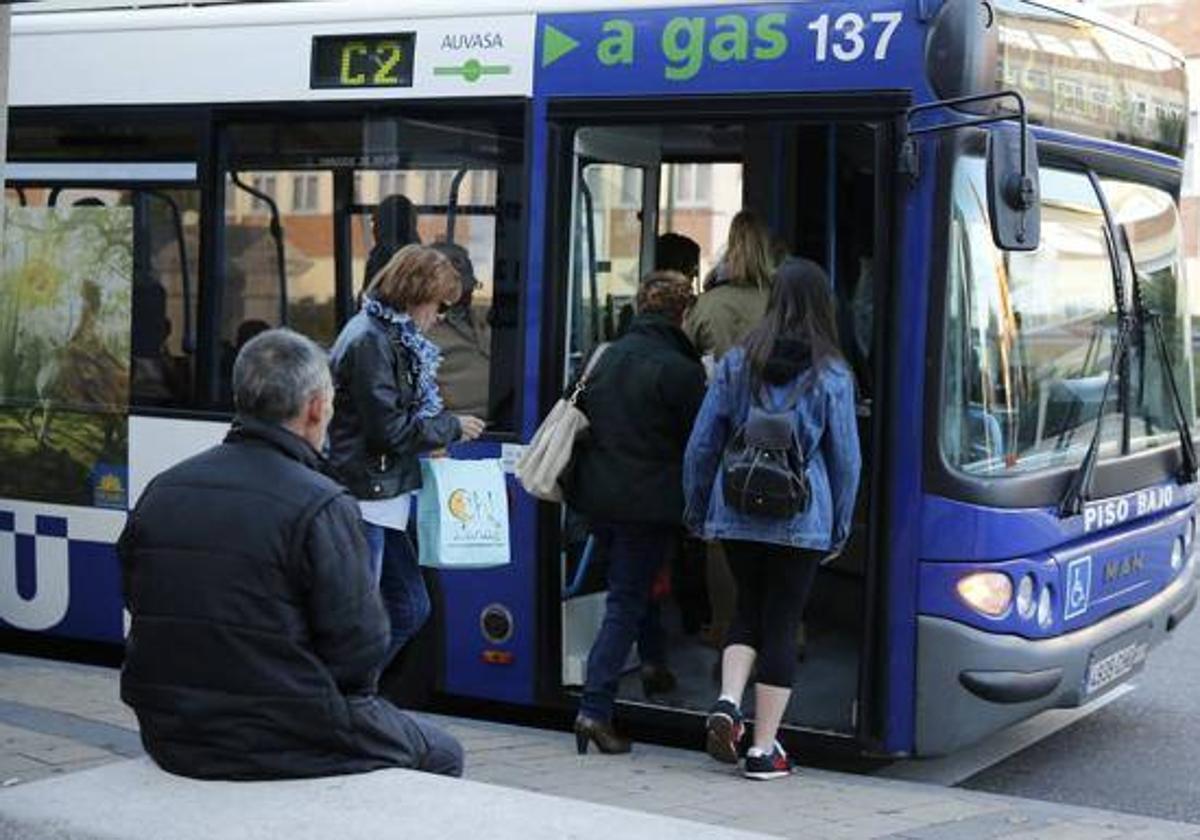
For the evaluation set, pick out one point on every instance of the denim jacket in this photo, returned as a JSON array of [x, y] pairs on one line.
[[828, 432]]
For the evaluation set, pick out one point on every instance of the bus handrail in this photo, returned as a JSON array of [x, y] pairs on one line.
[[276, 229], [189, 338], [593, 269], [452, 203]]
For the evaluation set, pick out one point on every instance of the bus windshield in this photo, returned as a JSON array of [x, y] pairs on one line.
[[1030, 336]]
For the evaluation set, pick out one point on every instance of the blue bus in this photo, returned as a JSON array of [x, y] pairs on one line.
[[992, 186]]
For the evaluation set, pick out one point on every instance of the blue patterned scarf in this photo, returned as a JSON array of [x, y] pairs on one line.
[[425, 353]]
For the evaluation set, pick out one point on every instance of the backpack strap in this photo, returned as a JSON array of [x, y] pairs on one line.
[[793, 398]]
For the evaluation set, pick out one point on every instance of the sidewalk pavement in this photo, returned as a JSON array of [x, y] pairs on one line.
[[59, 718]]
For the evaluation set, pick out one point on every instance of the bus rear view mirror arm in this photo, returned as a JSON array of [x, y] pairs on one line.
[[1014, 190]]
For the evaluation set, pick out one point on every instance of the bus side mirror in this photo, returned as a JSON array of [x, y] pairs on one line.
[[1014, 192]]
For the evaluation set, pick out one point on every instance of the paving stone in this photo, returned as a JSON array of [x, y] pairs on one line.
[[984, 827], [16, 768], [932, 812], [653, 779], [62, 752]]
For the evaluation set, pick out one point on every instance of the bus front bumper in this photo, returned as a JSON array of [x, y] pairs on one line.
[[971, 683]]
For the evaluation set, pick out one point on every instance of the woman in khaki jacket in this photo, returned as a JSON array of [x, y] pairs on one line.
[[735, 294]]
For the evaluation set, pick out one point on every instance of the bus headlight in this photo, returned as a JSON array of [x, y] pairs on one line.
[[990, 593], [1045, 609], [1177, 553], [1026, 604]]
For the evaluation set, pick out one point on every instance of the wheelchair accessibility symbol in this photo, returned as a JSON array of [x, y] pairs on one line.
[[1079, 588]]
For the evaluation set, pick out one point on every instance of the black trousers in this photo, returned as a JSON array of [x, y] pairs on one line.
[[773, 584]]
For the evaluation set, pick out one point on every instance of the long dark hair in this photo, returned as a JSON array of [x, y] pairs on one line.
[[799, 330]]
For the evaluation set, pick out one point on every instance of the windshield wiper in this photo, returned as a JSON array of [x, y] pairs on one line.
[[1080, 488], [1147, 317]]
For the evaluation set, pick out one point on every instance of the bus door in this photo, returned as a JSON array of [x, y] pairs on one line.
[[613, 223], [821, 185]]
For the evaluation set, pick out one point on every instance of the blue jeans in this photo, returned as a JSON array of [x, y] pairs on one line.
[[394, 565], [635, 554]]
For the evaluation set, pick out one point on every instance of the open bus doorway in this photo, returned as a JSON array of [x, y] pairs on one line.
[[818, 186]]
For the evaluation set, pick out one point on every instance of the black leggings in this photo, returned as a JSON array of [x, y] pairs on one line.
[[773, 583]]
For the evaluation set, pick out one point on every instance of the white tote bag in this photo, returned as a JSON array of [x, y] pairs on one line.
[[462, 514], [541, 468]]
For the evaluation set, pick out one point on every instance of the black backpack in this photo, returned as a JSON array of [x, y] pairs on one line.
[[763, 469]]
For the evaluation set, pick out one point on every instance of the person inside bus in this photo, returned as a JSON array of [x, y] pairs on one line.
[[790, 359], [257, 631], [389, 411], [246, 330], [152, 376], [393, 225], [641, 399], [465, 339], [676, 252]]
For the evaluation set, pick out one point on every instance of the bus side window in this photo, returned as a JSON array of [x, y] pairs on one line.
[[164, 299]]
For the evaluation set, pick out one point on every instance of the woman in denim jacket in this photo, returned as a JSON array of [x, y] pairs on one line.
[[774, 561]]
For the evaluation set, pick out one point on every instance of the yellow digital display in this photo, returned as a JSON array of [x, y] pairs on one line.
[[363, 61]]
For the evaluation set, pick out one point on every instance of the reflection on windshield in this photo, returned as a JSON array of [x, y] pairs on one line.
[[1151, 220], [1030, 335]]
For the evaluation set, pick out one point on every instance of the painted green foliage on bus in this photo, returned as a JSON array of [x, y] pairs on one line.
[[65, 286]]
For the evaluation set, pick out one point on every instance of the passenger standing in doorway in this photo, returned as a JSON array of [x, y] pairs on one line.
[[641, 398], [736, 292], [689, 584], [388, 412], [676, 252], [393, 225], [733, 303], [792, 358]]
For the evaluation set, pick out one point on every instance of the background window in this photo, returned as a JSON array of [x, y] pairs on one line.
[[306, 196], [326, 244]]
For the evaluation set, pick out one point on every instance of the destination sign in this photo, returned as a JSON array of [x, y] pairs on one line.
[[362, 61]]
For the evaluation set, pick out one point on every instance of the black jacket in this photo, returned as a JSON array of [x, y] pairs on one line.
[[641, 400], [376, 437], [257, 628]]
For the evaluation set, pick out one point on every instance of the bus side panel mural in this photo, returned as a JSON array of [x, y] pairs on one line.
[[65, 284], [64, 355]]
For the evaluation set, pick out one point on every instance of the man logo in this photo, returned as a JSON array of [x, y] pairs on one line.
[[34, 573], [1115, 570]]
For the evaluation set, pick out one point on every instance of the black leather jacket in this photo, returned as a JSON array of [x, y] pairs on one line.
[[376, 436]]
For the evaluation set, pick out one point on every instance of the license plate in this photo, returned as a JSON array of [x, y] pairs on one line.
[[1105, 669]]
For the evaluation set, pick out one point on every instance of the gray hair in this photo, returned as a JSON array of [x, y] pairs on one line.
[[276, 373]]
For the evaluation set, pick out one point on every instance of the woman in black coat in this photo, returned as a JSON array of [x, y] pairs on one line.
[[627, 479], [387, 412]]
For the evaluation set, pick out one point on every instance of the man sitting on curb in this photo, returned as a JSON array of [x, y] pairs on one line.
[[257, 630]]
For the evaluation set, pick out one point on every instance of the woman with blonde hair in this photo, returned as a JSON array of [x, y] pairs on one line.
[[387, 412], [735, 294]]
